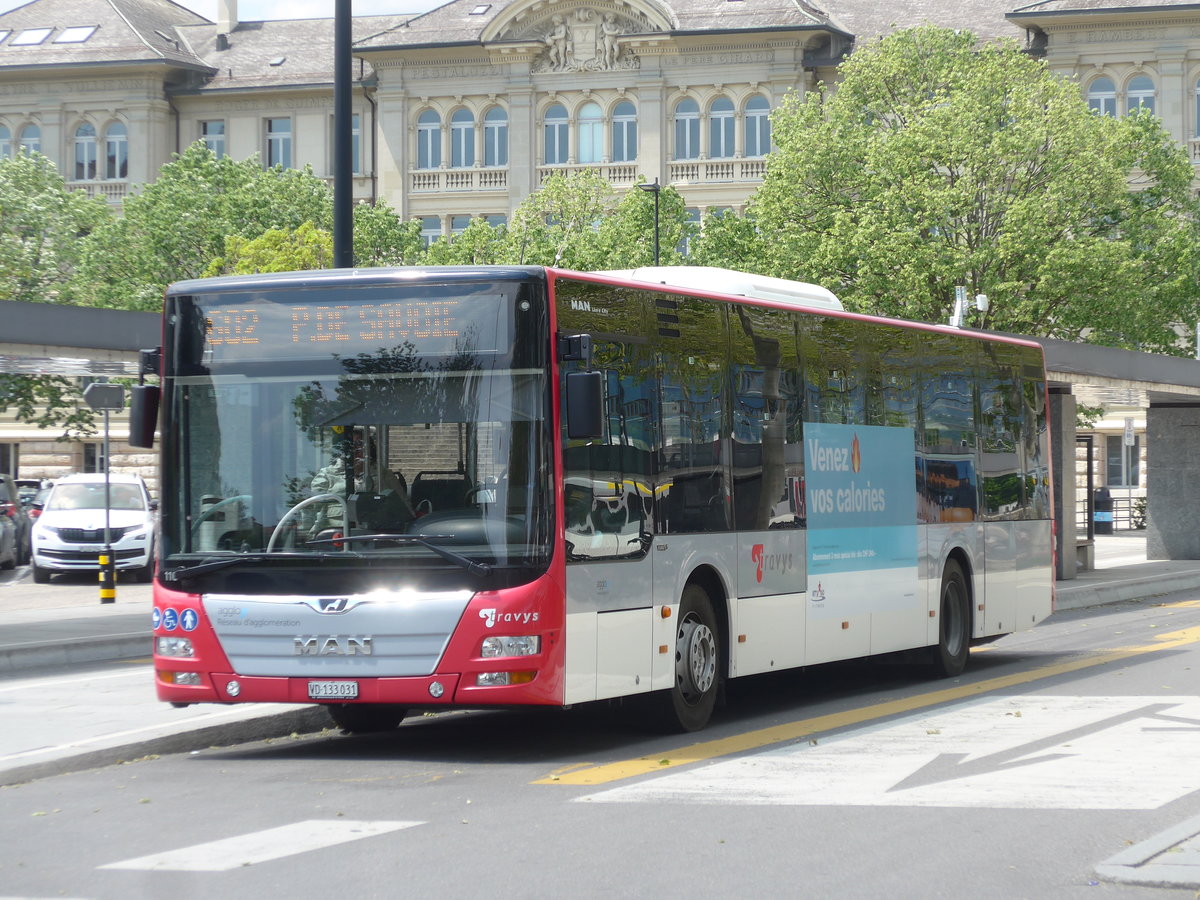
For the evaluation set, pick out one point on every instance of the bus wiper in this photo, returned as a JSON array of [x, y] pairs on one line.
[[425, 540], [224, 562]]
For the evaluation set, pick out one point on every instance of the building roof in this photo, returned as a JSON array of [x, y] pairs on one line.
[[1091, 6], [126, 31], [284, 53], [870, 19]]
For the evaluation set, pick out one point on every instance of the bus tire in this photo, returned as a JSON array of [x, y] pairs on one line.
[[689, 704], [949, 657], [364, 718]]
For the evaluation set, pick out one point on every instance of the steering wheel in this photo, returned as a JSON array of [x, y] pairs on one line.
[[291, 514]]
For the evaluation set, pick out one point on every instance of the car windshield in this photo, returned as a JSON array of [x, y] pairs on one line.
[[91, 496]]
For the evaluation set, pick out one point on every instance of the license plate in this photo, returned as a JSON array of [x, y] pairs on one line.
[[332, 690]]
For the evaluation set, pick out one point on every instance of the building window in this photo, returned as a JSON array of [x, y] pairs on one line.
[[458, 224], [591, 133], [213, 135], [93, 457], [721, 126], [116, 151], [495, 137], [1102, 97], [1197, 131], [85, 152], [431, 229], [497, 220], [758, 127], [557, 144], [9, 458], [279, 142], [6, 147], [690, 230], [462, 139], [687, 129], [1121, 461], [1140, 94], [429, 140], [624, 132], [31, 139]]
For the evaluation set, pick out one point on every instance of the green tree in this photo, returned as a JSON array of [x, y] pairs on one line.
[[941, 162], [478, 244], [275, 250], [175, 227], [381, 239], [41, 224]]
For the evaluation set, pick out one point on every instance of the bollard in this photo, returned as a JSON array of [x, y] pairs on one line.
[[108, 578]]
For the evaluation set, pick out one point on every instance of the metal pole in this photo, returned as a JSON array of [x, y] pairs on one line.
[[343, 170], [108, 580], [657, 190]]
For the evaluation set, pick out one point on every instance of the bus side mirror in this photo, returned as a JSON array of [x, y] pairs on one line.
[[585, 404], [143, 415]]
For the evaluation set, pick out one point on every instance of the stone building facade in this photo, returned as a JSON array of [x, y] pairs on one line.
[[465, 110]]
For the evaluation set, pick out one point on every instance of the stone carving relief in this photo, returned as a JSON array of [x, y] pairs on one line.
[[584, 40]]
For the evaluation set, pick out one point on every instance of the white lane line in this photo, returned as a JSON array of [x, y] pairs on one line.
[[27, 684], [261, 846]]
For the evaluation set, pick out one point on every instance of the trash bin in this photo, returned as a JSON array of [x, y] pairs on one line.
[[1102, 512]]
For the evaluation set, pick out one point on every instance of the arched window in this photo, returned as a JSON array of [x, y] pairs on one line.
[[555, 128], [687, 129], [6, 148], [495, 137], [85, 152], [31, 139], [591, 133], [1102, 97], [429, 140], [462, 139], [116, 151], [1140, 94], [758, 126], [720, 128], [624, 132]]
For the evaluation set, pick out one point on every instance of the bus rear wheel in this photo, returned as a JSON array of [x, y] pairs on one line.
[[949, 657], [364, 718], [689, 704]]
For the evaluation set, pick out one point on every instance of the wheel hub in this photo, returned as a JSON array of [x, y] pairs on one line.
[[695, 659]]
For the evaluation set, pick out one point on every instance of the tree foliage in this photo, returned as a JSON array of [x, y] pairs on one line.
[[41, 225], [941, 162], [176, 226], [275, 250]]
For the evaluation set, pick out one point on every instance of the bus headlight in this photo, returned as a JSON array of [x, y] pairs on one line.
[[523, 645], [187, 678], [498, 679], [174, 646]]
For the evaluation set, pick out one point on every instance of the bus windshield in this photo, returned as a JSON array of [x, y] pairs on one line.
[[398, 429]]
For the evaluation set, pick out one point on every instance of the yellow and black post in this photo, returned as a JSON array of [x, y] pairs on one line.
[[108, 577]]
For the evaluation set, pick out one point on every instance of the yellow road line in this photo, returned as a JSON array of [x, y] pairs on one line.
[[806, 728]]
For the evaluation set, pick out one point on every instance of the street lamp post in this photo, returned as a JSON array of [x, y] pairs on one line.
[[655, 189]]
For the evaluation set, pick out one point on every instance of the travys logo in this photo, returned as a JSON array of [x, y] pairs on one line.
[[770, 562], [491, 617]]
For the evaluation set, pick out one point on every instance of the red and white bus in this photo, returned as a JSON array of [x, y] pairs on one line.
[[397, 489]]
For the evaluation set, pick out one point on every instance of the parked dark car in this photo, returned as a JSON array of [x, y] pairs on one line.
[[12, 509]]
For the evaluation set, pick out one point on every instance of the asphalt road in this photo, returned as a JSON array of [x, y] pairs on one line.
[[1041, 773]]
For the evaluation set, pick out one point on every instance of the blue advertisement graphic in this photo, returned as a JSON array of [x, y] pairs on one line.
[[860, 483]]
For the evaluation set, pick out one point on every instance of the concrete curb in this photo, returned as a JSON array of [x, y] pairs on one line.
[[45, 654], [303, 720], [1079, 596], [1170, 859]]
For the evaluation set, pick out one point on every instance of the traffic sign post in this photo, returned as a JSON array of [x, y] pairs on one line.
[[104, 397]]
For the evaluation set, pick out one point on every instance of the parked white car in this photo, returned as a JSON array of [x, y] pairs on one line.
[[68, 535]]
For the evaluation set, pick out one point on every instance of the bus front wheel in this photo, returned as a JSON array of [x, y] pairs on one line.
[[363, 718], [691, 701], [949, 657]]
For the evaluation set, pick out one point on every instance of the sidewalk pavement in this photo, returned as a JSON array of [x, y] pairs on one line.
[[105, 711]]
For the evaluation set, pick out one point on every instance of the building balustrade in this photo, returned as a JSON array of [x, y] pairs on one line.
[[481, 179], [701, 171], [113, 192]]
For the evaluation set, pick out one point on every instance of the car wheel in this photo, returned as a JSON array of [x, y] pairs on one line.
[[40, 575]]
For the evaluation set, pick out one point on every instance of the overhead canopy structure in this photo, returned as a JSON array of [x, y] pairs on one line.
[[54, 339]]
